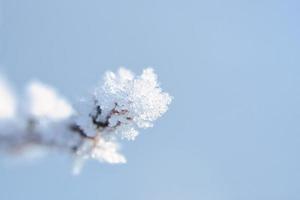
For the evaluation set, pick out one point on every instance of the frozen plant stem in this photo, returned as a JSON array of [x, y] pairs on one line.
[[115, 110]]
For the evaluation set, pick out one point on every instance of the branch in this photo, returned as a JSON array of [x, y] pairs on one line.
[[117, 109]]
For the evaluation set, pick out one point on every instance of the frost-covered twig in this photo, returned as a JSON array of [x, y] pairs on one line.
[[116, 109]]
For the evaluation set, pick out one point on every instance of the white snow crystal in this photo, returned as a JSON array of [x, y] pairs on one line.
[[45, 102], [116, 109], [7, 101], [107, 151], [99, 149], [102, 150], [136, 101]]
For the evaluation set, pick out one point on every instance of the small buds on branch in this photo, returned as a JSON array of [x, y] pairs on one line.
[[116, 109]]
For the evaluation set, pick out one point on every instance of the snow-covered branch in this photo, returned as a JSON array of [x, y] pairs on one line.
[[116, 110]]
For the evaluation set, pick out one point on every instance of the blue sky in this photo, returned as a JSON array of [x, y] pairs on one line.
[[232, 131]]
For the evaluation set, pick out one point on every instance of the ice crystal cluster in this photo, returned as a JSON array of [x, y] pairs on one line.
[[115, 110]]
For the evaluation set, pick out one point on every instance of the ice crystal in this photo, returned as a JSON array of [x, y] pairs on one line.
[[116, 109], [7, 101], [129, 102], [45, 102]]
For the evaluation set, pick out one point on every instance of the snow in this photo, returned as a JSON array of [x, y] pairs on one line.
[[45, 102], [7, 101], [116, 110]]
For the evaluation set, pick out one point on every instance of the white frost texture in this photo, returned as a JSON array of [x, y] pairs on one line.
[[7, 101], [127, 102], [116, 110], [45, 102]]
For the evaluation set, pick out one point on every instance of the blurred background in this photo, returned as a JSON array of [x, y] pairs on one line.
[[232, 131]]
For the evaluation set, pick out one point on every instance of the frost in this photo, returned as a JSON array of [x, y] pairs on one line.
[[45, 102], [7, 101], [130, 102], [102, 150], [115, 110], [98, 149]]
